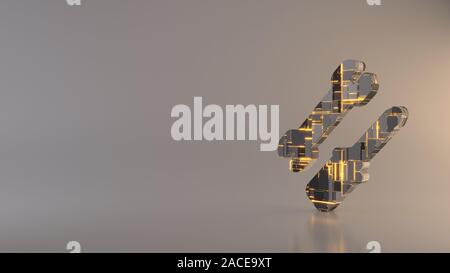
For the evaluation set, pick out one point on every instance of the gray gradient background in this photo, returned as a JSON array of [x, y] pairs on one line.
[[85, 146]]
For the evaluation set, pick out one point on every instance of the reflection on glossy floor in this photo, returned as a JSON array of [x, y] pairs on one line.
[[325, 234]]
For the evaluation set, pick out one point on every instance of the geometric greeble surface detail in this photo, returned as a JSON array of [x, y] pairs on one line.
[[350, 86], [348, 167]]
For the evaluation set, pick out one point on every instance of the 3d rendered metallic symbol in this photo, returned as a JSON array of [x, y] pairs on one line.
[[351, 86], [348, 167]]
